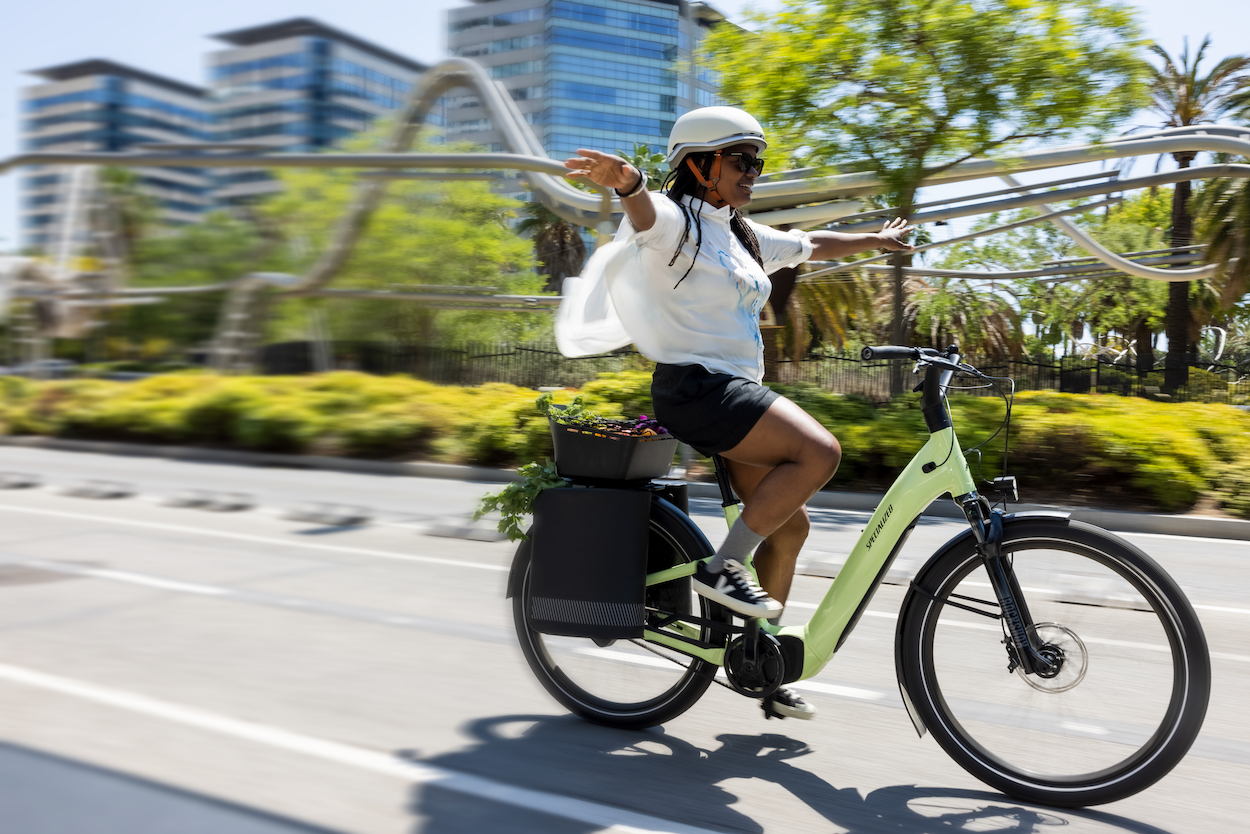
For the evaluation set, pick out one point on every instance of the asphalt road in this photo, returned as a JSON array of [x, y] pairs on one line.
[[169, 669]]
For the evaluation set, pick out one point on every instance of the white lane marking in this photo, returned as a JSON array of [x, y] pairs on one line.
[[1222, 609], [1196, 539], [1239, 658], [840, 691], [622, 657], [591, 813], [134, 579], [1086, 728], [200, 531]]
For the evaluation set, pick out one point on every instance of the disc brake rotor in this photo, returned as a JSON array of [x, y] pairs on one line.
[[1061, 644]]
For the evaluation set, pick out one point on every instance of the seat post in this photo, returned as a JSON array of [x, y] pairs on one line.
[[727, 497]]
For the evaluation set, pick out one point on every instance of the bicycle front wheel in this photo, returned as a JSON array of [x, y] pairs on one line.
[[1133, 681], [627, 683]]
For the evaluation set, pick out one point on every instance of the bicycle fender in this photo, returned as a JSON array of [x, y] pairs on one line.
[[921, 580], [519, 563]]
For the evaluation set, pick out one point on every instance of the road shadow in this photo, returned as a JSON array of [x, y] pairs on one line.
[[655, 773]]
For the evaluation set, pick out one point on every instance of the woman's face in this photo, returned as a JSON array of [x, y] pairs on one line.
[[735, 186]]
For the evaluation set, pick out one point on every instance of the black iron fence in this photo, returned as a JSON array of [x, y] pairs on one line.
[[475, 363], [541, 365]]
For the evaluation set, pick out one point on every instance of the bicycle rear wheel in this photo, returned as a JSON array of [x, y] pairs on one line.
[[629, 683], [1135, 675]]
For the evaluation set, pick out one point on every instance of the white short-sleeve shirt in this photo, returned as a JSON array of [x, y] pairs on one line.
[[709, 318]]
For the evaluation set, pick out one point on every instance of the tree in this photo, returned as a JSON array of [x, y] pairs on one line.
[[1132, 307], [423, 233], [953, 311], [558, 244], [217, 250], [1223, 207], [651, 163], [1183, 97], [917, 86]]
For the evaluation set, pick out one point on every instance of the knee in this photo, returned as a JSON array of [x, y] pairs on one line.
[[826, 454]]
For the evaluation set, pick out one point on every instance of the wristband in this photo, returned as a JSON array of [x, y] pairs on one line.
[[637, 189]]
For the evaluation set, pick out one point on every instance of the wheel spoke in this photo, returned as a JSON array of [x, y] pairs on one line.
[[1125, 695]]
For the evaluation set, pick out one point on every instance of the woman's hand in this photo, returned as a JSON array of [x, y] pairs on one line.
[[892, 234], [602, 169], [613, 172]]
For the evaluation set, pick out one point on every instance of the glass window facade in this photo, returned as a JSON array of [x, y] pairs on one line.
[[505, 45], [602, 42], [505, 19], [578, 65], [616, 72], [615, 17], [659, 102]]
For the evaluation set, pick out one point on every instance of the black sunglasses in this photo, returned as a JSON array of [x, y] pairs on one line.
[[746, 162]]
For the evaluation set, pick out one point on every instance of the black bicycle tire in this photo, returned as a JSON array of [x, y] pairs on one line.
[[1191, 668], [675, 701]]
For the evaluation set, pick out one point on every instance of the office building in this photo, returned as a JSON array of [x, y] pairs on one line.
[[99, 105], [603, 74], [299, 85]]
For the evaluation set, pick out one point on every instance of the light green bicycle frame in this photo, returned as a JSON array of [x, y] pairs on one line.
[[907, 498]]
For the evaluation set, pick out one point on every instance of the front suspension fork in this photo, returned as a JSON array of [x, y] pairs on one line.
[[987, 527]]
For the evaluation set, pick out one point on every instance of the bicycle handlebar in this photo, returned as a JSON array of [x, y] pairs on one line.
[[889, 352]]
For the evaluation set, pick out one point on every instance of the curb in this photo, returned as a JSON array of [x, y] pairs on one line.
[[194, 453], [1118, 520]]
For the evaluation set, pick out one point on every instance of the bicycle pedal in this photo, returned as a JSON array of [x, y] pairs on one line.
[[767, 706]]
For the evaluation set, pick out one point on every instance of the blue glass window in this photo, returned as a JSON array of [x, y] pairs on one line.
[[505, 19], [613, 70], [613, 43], [613, 17], [293, 59], [610, 121], [611, 95]]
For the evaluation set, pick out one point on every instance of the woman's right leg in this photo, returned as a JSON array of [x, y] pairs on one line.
[[802, 456]]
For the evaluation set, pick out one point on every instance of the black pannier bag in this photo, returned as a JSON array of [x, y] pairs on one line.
[[588, 570]]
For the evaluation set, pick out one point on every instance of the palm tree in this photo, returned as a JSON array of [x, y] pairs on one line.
[[831, 306], [954, 311], [1183, 97], [558, 244], [1224, 206]]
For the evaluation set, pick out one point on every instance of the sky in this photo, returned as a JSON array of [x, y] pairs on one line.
[[171, 39]]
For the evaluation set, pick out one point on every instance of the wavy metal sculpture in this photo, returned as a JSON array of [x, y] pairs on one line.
[[804, 198]]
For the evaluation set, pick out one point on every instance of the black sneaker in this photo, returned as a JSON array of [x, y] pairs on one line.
[[736, 589], [786, 703]]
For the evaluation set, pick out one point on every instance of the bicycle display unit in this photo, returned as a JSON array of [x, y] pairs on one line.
[[1050, 658]]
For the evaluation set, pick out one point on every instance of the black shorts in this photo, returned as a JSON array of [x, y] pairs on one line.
[[711, 412]]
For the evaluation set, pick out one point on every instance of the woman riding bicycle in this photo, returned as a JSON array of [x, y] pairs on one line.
[[685, 281]]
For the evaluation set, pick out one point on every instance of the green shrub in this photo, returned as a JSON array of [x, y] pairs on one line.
[[1157, 454]]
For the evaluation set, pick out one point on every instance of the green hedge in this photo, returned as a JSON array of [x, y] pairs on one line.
[[1154, 455]]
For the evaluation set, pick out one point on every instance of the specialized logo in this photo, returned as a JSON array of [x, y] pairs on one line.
[[880, 524]]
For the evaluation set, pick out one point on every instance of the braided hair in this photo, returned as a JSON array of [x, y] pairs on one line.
[[681, 182]]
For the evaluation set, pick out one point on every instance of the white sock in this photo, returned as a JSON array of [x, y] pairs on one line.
[[738, 545]]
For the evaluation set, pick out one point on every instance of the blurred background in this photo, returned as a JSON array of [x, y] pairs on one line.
[[248, 410]]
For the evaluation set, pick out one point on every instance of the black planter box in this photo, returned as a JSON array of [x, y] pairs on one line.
[[588, 572], [607, 456]]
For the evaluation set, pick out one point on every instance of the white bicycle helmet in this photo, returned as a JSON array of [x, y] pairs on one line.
[[709, 128]]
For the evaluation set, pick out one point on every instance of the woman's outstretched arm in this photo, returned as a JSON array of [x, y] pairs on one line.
[[613, 172], [830, 246]]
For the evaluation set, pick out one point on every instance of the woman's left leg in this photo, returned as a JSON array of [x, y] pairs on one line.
[[775, 559]]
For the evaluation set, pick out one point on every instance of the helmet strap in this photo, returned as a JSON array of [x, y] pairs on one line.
[[713, 196]]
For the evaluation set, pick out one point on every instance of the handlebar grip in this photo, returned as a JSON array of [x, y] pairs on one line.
[[889, 352]]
